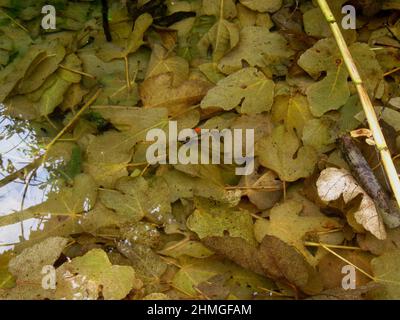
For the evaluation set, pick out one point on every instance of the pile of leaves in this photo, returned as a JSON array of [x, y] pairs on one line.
[[115, 227]]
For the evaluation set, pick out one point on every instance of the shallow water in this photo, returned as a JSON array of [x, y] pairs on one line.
[[19, 143]]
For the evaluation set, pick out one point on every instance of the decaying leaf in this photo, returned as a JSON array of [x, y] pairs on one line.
[[116, 226], [334, 183], [274, 258]]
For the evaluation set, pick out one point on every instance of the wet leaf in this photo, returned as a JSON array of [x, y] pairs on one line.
[[207, 223], [259, 48], [148, 265], [27, 266], [162, 61], [248, 89], [68, 201], [222, 37], [219, 8], [294, 111], [273, 258], [7, 280], [189, 248], [131, 44], [154, 91], [283, 153], [334, 183], [137, 198], [320, 134], [386, 270], [288, 214], [92, 275], [262, 6]]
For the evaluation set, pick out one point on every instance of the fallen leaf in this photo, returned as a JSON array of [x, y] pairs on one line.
[[92, 275], [158, 92], [207, 222], [248, 89], [259, 48], [262, 5], [281, 219], [386, 270], [334, 183], [283, 153]]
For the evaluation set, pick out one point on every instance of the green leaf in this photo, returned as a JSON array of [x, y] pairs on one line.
[[284, 216], [7, 280], [193, 249], [68, 201], [283, 153], [294, 111], [42, 67], [240, 283], [137, 198], [259, 48], [320, 134], [93, 274], [222, 37], [224, 9], [331, 93], [162, 61], [124, 47], [182, 186], [209, 223], [107, 157], [148, 265], [262, 5], [386, 269], [248, 88]]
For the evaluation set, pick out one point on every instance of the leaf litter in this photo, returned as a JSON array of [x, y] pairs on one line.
[[78, 194]]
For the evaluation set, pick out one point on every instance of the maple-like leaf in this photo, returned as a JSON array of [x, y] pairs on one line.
[[334, 183]]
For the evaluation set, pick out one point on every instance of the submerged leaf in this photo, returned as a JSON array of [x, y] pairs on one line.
[[284, 216], [283, 153], [222, 221], [248, 89], [334, 183], [92, 275], [259, 48]]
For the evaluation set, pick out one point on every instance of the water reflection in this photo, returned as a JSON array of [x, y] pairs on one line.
[[19, 146]]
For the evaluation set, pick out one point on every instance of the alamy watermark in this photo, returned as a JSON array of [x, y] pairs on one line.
[[202, 146]]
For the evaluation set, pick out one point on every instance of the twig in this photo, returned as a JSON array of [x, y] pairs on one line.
[[78, 114], [364, 175], [365, 101], [317, 244], [106, 24], [348, 262], [77, 72]]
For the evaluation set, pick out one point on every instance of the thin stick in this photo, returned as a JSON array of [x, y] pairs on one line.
[[77, 72], [391, 72], [317, 244], [365, 101], [15, 21], [348, 262], [78, 114]]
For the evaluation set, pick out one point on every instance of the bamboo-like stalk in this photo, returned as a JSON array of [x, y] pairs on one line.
[[365, 101]]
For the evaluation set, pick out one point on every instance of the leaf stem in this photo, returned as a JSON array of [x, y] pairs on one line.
[[365, 101]]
